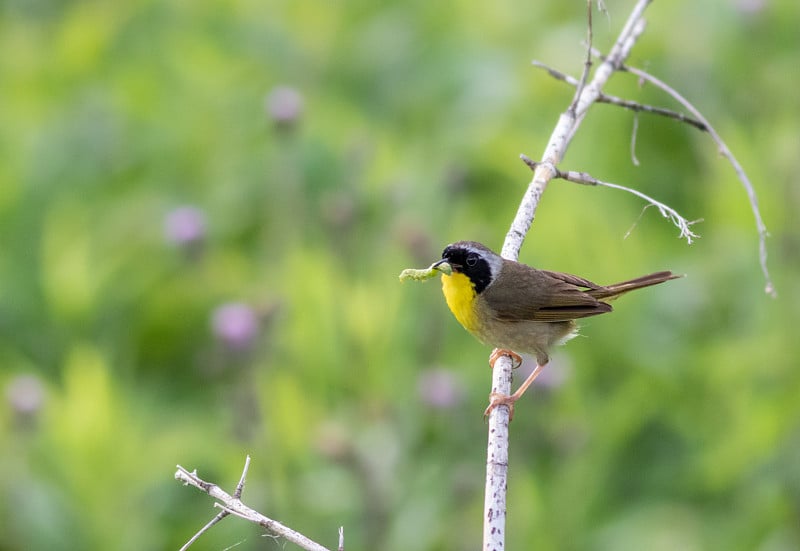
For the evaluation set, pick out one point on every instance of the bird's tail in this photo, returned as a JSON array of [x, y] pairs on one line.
[[617, 289]]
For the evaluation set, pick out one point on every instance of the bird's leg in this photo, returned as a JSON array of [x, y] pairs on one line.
[[516, 359], [497, 399]]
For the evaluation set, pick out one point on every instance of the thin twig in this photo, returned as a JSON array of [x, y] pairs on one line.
[[555, 73], [637, 107], [231, 504], [634, 106], [587, 65], [586, 179], [221, 515]]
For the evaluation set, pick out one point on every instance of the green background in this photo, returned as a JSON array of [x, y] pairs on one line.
[[673, 423]]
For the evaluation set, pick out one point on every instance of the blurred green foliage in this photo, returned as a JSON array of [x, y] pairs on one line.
[[204, 207]]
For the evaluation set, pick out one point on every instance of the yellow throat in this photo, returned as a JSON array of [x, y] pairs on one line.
[[459, 292]]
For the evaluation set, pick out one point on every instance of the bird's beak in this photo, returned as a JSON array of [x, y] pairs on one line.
[[443, 266]]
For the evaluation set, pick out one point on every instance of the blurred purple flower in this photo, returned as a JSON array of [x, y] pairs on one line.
[[440, 388], [751, 7], [334, 440], [284, 105], [25, 395], [236, 325], [185, 226]]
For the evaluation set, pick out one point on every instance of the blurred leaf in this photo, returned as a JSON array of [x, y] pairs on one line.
[[66, 260]]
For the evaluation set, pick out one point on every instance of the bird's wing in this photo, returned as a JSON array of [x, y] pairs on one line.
[[528, 294], [571, 279]]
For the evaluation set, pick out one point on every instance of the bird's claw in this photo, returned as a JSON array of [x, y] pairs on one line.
[[497, 353], [498, 399]]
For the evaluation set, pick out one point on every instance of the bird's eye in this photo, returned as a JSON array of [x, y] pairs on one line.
[[472, 259]]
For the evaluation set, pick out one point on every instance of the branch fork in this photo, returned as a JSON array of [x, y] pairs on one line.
[[232, 505], [587, 92]]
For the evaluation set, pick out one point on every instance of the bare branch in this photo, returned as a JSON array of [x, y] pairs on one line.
[[497, 447], [769, 288], [221, 515], [634, 106], [644, 108], [233, 505], [698, 121], [666, 211], [562, 134], [555, 73], [587, 179]]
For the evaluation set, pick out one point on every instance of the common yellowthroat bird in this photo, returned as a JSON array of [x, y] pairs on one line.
[[519, 309]]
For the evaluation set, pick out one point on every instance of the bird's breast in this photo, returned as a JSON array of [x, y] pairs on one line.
[[459, 292]]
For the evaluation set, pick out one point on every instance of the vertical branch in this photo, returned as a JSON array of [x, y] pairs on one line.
[[494, 501], [497, 449], [567, 124]]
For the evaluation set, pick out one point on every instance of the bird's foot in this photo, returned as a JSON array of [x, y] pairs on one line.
[[498, 399], [516, 359]]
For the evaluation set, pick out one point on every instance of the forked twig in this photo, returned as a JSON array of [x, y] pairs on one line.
[[232, 505]]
